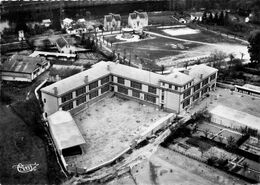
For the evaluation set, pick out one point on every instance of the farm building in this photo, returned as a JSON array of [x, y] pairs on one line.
[[233, 118], [138, 20], [174, 92], [112, 21], [65, 133], [23, 68]]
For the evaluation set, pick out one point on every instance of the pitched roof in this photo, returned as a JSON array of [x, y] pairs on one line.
[[142, 15], [117, 17], [108, 18], [64, 130], [22, 64], [61, 42]]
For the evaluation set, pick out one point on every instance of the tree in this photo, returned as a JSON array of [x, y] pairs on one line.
[[245, 167], [231, 142], [206, 132], [162, 68], [254, 46]]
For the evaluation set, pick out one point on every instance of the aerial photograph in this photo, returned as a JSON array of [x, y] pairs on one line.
[[130, 92]]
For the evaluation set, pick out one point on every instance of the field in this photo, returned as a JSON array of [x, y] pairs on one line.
[[175, 45], [109, 126], [20, 145]]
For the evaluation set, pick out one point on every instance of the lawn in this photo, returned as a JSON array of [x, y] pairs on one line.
[[19, 144], [109, 127]]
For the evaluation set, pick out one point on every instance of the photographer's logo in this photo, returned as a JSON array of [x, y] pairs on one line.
[[26, 168]]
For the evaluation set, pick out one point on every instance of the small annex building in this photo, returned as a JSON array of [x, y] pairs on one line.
[[235, 119], [64, 46], [23, 68], [65, 133]]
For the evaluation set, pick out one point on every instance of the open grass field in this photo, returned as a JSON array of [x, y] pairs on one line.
[[19, 144], [109, 127]]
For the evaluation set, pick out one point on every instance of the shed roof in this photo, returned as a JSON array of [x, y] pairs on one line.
[[64, 129], [22, 64], [237, 116]]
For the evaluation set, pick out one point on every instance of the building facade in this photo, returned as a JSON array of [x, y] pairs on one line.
[[112, 22], [23, 68], [174, 93], [138, 20]]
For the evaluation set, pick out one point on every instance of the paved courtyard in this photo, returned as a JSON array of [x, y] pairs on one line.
[[109, 126]]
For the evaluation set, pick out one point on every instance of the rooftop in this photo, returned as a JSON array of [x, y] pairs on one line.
[[64, 130], [61, 42], [237, 116], [142, 15], [105, 68], [22, 64], [252, 87], [197, 70]]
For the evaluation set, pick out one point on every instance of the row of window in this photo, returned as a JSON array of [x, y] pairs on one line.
[[82, 90]]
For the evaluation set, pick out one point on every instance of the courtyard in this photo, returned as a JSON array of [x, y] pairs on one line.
[[109, 127]]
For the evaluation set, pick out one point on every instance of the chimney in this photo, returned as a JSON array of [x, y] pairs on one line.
[[86, 79], [201, 76], [55, 89], [108, 67], [186, 72]]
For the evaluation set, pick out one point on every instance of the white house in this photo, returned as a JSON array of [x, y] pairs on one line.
[[46, 22], [174, 92], [138, 20], [196, 16], [66, 22], [112, 21], [64, 47], [23, 68]]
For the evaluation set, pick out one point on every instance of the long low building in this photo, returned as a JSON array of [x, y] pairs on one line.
[[174, 92], [233, 118], [23, 68]]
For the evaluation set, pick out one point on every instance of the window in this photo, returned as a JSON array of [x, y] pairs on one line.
[[176, 88], [136, 85], [196, 96], [204, 82], [212, 77], [197, 87], [93, 85], [120, 80], [66, 97], [152, 89], [93, 94], [68, 106], [170, 86], [80, 91], [150, 98], [81, 100], [187, 93], [44, 100], [186, 103], [122, 89], [204, 90], [136, 94], [104, 80], [105, 89]]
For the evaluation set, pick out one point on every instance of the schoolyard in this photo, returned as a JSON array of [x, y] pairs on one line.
[[109, 127]]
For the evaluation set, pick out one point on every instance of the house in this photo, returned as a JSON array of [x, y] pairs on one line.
[[175, 92], [66, 22], [23, 68], [234, 119], [196, 16], [46, 22], [64, 46], [138, 20], [182, 20], [112, 21]]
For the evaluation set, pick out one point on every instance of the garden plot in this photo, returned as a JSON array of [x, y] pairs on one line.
[[109, 127]]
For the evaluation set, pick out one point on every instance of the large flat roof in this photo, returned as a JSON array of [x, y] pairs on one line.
[[237, 116], [197, 70], [64, 129], [105, 68]]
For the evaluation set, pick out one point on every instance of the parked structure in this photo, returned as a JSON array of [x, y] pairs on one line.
[[175, 92], [138, 20], [23, 68], [233, 118], [112, 21]]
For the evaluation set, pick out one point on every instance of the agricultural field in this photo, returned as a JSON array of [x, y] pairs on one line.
[[109, 127], [175, 45]]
